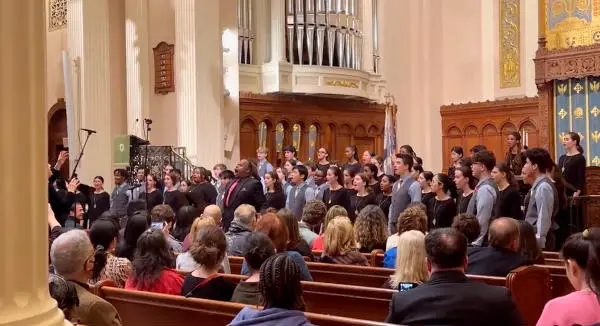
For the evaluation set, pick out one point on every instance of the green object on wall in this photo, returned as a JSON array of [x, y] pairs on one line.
[[121, 150]]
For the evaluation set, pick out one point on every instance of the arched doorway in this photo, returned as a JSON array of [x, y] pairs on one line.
[[57, 131]]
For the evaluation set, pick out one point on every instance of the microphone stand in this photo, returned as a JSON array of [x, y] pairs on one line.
[[74, 174]]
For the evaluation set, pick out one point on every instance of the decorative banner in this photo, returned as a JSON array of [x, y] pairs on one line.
[[577, 109], [572, 23], [510, 72], [279, 136], [312, 140], [296, 135], [262, 135]]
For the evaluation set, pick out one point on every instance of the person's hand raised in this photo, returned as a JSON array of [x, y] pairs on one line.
[[72, 185], [62, 158]]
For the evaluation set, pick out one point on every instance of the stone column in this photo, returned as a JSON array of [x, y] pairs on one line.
[[231, 72], [199, 80], [24, 297], [137, 54], [96, 33]]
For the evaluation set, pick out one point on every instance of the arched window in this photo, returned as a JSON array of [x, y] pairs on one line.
[[262, 135], [279, 135], [312, 141], [296, 136]]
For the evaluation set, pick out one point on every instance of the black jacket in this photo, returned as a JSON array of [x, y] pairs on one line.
[[248, 191], [492, 261], [60, 201], [450, 298]]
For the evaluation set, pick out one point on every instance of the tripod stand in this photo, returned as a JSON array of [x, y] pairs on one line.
[[89, 133]]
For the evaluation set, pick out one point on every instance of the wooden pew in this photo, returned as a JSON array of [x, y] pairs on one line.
[[554, 262], [138, 308], [551, 254], [559, 282], [375, 257]]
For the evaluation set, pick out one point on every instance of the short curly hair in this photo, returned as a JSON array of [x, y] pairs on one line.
[[314, 212], [412, 218], [468, 224]]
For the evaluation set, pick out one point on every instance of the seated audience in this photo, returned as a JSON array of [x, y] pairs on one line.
[[185, 261], [501, 256], [581, 253], [75, 218], [528, 244], [370, 229], [65, 294], [468, 225], [183, 222], [273, 226], [281, 295], [162, 217], [334, 211], [211, 212], [136, 225], [312, 216], [258, 248], [412, 218], [295, 241], [244, 218], [410, 262], [340, 246], [208, 250], [449, 297], [152, 266], [103, 235], [72, 256]]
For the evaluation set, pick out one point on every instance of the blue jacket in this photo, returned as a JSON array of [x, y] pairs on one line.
[[270, 317]]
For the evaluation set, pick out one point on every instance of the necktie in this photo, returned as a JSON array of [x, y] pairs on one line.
[[231, 189]]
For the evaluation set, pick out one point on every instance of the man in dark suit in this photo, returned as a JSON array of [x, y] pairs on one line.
[[449, 297], [501, 256], [243, 189]]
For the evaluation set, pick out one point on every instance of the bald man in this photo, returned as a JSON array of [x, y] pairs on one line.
[[502, 255], [213, 211]]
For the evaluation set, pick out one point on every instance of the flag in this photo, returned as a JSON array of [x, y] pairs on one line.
[[389, 139]]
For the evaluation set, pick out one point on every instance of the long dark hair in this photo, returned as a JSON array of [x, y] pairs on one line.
[[528, 246], [468, 173], [152, 255], [102, 233], [276, 182], [373, 168], [575, 137], [518, 158], [291, 223], [279, 283], [584, 249], [136, 225], [448, 185], [410, 150], [183, 221], [354, 150], [503, 167], [458, 150], [338, 173]]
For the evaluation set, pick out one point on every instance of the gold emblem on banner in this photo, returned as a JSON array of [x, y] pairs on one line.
[[594, 86], [578, 113], [562, 113], [595, 111], [510, 51], [562, 89], [578, 88], [562, 136], [595, 136], [596, 161]]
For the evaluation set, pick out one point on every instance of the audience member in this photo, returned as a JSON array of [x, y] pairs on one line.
[[208, 250], [405, 190], [244, 189], [136, 225], [162, 217], [528, 244], [370, 229], [75, 218], [501, 256], [281, 295], [61, 201], [258, 248], [72, 256], [334, 211], [340, 245], [65, 294], [185, 261], [413, 218], [152, 266], [410, 262], [483, 202], [244, 218], [183, 222], [468, 225], [581, 253], [273, 226], [312, 216], [103, 236], [295, 241], [449, 297]]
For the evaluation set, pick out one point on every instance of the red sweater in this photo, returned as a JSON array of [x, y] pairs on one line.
[[170, 282]]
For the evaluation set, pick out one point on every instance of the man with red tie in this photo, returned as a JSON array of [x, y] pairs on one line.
[[243, 189]]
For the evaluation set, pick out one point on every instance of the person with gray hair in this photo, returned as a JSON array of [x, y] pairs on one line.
[[242, 224], [72, 256]]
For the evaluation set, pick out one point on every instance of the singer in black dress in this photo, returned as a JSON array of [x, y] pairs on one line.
[[99, 199], [155, 196], [384, 199], [442, 208], [336, 194]]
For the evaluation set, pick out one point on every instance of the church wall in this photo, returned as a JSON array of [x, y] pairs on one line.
[[163, 108], [56, 42]]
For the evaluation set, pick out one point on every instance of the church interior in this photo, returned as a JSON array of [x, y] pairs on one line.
[[148, 84]]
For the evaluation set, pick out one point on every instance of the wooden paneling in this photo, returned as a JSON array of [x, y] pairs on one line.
[[57, 130], [339, 122], [488, 123]]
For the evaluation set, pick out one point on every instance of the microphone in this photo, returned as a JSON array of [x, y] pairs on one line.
[[148, 121], [89, 130]]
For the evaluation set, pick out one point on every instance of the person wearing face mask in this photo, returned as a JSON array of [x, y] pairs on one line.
[[72, 256]]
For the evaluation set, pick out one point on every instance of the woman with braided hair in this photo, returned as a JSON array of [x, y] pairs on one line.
[[258, 248], [281, 294]]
